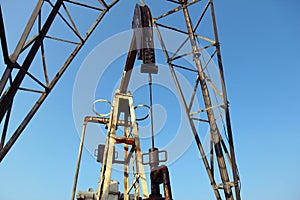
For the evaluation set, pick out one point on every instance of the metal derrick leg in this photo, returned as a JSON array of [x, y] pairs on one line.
[[227, 115], [194, 131], [218, 147], [207, 101]]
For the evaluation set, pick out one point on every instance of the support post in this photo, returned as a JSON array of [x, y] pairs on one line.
[[207, 101]]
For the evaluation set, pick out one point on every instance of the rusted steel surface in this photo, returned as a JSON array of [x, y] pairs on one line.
[[219, 148], [108, 154], [210, 114], [227, 114], [190, 120], [160, 175], [121, 140], [105, 121], [142, 45]]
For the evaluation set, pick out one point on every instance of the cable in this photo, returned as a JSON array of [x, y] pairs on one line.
[[151, 109]]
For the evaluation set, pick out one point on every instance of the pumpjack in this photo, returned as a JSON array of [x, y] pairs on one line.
[[142, 48]]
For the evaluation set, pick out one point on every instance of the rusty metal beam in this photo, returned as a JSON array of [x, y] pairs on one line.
[[227, 114], [207, 101], [190, 120], [217, 143]]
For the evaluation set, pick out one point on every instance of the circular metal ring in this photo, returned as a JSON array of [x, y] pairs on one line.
[[147, 115], [101, 101]]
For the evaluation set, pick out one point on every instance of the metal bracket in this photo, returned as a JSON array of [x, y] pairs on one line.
[[154, 157]]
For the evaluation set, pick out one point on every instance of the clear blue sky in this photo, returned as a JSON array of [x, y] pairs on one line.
[[260, 47]]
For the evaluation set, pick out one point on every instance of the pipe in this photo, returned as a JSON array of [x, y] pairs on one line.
[[79, 158]]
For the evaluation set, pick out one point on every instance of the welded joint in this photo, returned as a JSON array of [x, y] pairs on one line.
[[206, 109], [227, 184]]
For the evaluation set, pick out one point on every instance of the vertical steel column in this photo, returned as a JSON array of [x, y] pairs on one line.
[[227, 114], [207, 101]]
